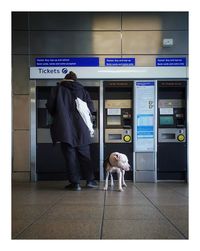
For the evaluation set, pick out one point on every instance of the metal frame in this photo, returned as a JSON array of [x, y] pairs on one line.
[[101, 131], [133, 132], [187, 129], [156, 129], [32, 84]]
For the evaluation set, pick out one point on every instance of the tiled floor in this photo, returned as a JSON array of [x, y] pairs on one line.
[[44, 210]]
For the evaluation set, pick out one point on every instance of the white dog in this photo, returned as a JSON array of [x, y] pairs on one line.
[[116, 162]]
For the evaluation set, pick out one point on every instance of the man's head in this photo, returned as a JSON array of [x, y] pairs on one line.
[[71, 75]]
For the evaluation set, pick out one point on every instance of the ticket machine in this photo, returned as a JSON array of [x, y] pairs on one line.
[[172, 130], [50, 164], [49, 160], [118, 119]]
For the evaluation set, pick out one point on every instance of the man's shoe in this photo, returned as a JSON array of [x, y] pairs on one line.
[[92, 184], [73, 187]]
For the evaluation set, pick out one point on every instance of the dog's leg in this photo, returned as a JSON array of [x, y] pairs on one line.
[[119, 174], [123, 181], [111, 180], [106, 180]]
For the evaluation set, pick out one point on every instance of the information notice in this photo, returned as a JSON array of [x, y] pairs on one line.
[[144, 115]]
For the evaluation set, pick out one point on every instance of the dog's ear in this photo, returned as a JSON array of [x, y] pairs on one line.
[[116, 156]]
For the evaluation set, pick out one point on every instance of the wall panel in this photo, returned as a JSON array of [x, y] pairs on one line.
[[150, 42], [20, 74], [141, 21], [20, 42], [21, 111], [83, 42], [141, 42], [21, 151], [155, 21], [20, 20], [75, 21], [180, 42]]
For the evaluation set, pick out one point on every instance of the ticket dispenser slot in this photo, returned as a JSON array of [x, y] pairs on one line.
[[172, 137], [118, 119], [50, 164]]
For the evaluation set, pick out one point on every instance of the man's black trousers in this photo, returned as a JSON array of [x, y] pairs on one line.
[[78, 162]]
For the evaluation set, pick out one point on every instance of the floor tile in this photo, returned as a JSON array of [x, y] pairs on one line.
[[132, 213], [63, 211], [174, 212], [170, 199], [80, 197], [24, 215], [21, 211], [18, 225], [121, 198], [150, 189], [182, 190], [37, 197], [182, 225], [178, 215], [63, 229], [139, 229]]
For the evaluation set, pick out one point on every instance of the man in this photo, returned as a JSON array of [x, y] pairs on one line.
[[69, 129]]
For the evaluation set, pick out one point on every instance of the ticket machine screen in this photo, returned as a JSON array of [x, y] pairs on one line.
[[166, 120]]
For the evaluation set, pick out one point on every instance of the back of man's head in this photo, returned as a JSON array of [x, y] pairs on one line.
[[71, 75]]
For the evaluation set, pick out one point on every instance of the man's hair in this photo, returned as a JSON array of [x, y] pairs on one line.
[[71, 75]]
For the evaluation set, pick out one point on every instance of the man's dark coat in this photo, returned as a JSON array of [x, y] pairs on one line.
[[68, 126]]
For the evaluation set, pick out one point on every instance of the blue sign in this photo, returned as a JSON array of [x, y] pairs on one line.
[[145, 128], [145, 83], [70, 62], [119, 61], [171, 61]]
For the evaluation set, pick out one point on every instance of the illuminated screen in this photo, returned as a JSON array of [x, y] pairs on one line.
[[166, 120]]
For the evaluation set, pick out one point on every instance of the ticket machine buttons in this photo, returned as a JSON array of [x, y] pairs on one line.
[[180, 137], [127, 138]]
